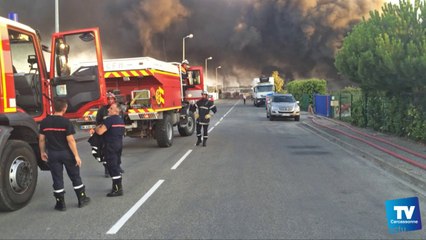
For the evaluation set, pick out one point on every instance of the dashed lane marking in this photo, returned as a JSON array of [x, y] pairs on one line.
[[117, 226], [181, 159]]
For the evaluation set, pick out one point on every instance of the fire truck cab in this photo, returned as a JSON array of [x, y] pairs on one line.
[[26, 92]]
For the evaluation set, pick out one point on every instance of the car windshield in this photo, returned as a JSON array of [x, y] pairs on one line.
[[284, 99]]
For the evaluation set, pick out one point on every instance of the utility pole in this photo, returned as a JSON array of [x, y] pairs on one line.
[[56, 15]]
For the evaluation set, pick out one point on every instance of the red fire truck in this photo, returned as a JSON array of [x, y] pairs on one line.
[[26, 91], [155, 96], [27, 88]]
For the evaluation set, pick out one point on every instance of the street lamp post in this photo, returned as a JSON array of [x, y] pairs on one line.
[[216, 76], [205, 60], [183, 44], [56, 15]]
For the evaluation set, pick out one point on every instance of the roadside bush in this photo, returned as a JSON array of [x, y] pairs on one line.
[[416, 124], [392, 114], [308, 87]]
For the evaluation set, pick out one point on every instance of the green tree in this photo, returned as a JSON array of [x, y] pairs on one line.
[[388, 51], [278, 82]]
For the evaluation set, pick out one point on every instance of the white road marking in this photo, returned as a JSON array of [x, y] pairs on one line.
[[221, 119], [117, 226], [181, 159], [211, 129]]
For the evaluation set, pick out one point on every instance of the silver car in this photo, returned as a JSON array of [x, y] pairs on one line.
[[283, 105]]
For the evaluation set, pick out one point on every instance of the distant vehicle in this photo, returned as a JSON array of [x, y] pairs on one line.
[[261, 87], [284, 106]]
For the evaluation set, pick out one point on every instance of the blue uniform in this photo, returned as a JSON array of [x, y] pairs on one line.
[[56, 129], [113, 140], [203, 107]]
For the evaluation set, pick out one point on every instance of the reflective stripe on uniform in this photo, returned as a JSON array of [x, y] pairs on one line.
[[78, 187]]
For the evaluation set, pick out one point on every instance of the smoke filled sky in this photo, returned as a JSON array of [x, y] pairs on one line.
[[247, 38]]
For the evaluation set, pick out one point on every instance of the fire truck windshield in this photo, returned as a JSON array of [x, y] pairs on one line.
[[194, 77]]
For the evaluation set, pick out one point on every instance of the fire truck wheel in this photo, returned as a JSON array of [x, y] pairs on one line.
[[164, 131], [18, 175], [189, 129]]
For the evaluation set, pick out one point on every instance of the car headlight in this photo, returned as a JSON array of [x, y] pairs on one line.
[[297, 108], [273, 108]]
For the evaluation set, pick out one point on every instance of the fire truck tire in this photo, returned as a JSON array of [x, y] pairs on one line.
[[189, 129], [164, 131], [18, 175]]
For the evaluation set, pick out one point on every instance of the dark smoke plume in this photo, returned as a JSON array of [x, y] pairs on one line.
[[299, 38]]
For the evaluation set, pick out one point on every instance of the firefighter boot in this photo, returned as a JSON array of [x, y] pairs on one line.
[[60, 201], [198, 141], [83, 200], [117, 188], [204, 142]]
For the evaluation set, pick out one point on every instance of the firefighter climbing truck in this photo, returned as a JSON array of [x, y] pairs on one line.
[[154, 96], [26, 92]]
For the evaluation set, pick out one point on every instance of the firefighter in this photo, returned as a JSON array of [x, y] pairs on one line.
[[58, 147], [184, 73], [112, 130], [96, 141], [185, 67], [203, 110]]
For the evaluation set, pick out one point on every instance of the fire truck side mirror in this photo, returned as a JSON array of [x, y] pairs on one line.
[[62, 66], [63, 49]]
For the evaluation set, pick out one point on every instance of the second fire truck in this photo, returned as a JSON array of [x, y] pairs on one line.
[[154, 96]]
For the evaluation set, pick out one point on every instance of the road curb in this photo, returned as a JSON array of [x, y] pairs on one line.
[[397, 172]]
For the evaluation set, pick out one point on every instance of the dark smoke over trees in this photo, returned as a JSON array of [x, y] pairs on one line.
[[298, 38]]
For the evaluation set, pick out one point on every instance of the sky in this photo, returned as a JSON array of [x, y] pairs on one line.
[[297, 38]]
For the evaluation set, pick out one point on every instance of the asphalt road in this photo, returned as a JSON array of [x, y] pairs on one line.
[[255, 179]]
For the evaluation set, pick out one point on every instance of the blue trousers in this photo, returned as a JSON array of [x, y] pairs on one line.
[[57, 160], [112, 156]]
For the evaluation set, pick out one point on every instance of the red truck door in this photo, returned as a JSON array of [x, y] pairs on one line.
[[76, 70]]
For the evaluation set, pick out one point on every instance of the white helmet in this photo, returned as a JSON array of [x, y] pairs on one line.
[[185, 62], [111, 95], [204, 93]]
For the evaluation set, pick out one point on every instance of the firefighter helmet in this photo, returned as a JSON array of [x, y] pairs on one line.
[[204, 93], [185, 62], [111, 95]]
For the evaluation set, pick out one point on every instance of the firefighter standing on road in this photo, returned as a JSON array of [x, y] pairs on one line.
[[112, 130], [202, 109], [58, 147], [96, 141]]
